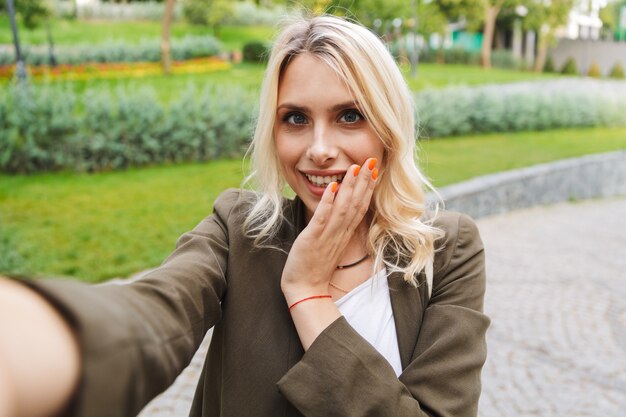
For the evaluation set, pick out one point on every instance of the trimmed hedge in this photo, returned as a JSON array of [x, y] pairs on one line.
[[44, 129], [51, 128], [148, 50], [255, 51], [522, 106]]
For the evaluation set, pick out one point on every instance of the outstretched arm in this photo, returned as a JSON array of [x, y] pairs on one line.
[[39, 357]]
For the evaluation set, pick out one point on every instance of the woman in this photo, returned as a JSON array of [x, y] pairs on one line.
[[350, 300]]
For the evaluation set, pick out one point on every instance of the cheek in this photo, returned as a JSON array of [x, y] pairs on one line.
[[287, 155]]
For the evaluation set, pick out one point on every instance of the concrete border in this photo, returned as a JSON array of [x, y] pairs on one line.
[[591, 176]]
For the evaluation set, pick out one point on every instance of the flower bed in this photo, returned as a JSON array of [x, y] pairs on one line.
[[118, 70]]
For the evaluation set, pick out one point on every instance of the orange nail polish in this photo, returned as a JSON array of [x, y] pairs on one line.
[[356, 170], [375, 173], [333, 187], [372, 163]]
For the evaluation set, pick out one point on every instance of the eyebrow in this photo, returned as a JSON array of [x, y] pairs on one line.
[[304, 109]]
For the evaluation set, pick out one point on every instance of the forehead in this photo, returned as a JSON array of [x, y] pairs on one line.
[[308, 78]]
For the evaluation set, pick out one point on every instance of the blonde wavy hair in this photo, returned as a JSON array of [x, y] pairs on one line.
[[398, 238]]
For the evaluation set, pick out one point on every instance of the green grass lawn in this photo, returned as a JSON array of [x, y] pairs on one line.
[[249, 76], [74, 32], [437, 76], [113, 224], [244, 75]]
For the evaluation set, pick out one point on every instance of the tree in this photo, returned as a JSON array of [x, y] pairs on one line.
[[544, 17], [220, 11], [480, 12], [30, 12], [166, 52], [208, 13]]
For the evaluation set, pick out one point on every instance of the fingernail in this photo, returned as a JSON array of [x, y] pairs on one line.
[[375, 173], [372, 163], [333, 187], [356, 170]]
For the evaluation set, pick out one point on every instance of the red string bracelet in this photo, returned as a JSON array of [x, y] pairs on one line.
[[308, 298]]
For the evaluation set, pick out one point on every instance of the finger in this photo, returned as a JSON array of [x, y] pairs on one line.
[[322, 213], [346, 189], [364, 180], [352, 201], [363, 191]]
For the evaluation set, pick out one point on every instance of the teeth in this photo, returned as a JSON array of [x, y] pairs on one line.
[[324, 181]]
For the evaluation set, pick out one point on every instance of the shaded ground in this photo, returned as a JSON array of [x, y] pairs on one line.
[[557, 298]]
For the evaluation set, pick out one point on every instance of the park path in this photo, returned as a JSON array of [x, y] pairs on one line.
[[556, 294]]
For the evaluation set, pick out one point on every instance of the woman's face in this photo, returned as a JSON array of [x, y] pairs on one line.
[[319, 131]]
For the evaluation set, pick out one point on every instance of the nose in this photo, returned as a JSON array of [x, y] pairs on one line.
[[322, 148]]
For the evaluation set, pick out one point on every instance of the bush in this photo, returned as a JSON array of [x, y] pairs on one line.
[[142, 10], [549, 65], [247, 13], [501, 58], [569, 67], [255, 52], [42, 129], [617, 71], [36, 129], [197, 12], [119, 51], [521, 106], [594, 70]]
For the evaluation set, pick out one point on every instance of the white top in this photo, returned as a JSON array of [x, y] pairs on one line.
[[368, 310]]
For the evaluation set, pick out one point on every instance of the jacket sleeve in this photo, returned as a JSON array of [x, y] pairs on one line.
[[136, 338], [342, 375]]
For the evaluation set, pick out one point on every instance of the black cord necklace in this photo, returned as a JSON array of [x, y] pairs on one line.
[[353, 263]]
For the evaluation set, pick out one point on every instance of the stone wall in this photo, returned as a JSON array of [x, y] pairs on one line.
[[592, 176], [605, 53]]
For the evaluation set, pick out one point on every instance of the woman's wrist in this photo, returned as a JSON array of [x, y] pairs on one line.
[[296, 293]]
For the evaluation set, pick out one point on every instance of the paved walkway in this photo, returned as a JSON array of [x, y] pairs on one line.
[[556, 293]]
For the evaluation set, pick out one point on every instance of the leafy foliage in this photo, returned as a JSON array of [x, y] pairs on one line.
[[119, 51], [594, 70], [521, 107], [569, 67], [31, 12], [207, 12], [197, 12], [255, 52], [42, 129], [617, 71], [549, 65]]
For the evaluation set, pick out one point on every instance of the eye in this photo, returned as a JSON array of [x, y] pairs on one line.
[[295, 118], [351, 116]]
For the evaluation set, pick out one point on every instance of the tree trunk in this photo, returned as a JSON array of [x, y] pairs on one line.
[[542, 52], [166, 53], [491, 13], [545, 37]]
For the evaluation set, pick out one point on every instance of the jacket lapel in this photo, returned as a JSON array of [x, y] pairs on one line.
[[406, 303]]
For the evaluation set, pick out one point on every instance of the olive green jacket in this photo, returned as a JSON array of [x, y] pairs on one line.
[[135, 339]]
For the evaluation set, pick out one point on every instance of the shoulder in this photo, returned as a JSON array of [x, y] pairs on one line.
[[461, 238], [231, 198], [234, 204]]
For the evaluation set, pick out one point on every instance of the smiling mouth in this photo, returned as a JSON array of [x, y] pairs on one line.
[[323, 181]]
